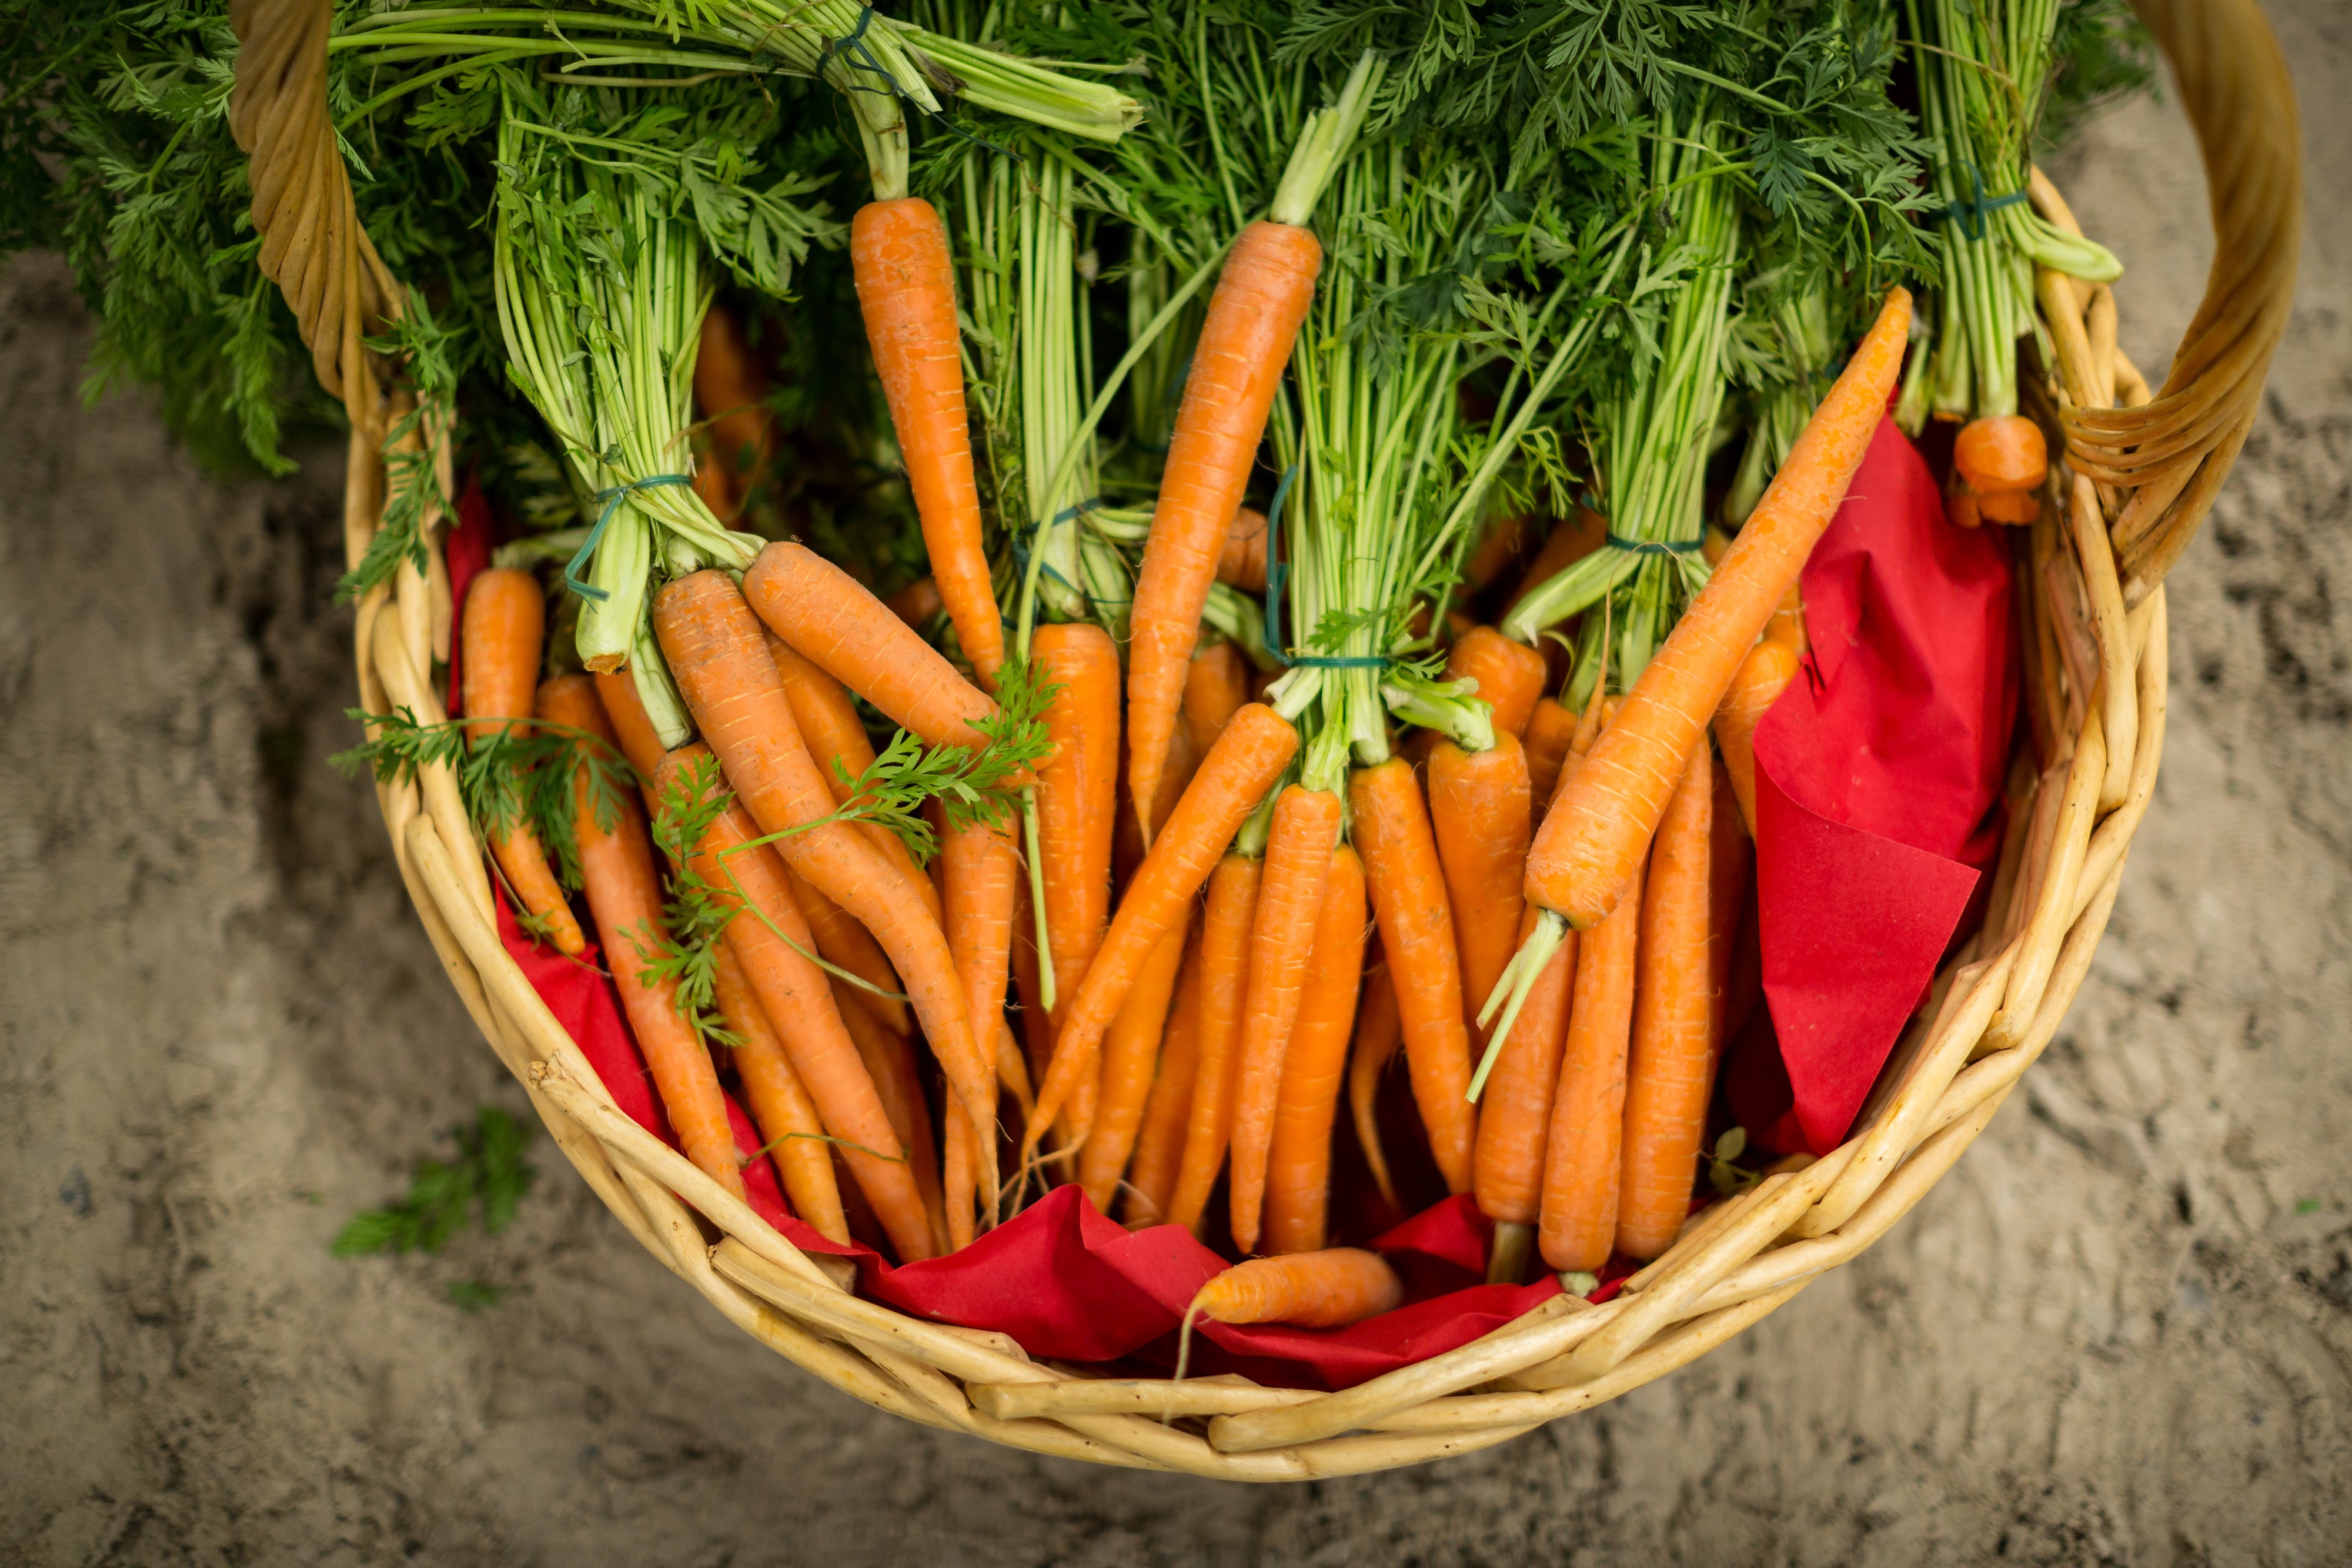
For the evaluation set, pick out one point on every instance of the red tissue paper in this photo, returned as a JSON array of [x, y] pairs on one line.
[[1878, 780]]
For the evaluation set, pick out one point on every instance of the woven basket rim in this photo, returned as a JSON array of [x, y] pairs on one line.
[[2144, 465]]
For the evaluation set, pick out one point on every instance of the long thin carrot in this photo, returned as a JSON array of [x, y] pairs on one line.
[[1160, 1144], [770, 934], [890, 1062], [1322, 1289], [1591, 841], [1379, 1032], [1077, 794], [827, 615], [1261, 296], [1515, 1122], [1669, 1073], [640, 743], [779, 1104], [505, 624], [1298, 861], [721, 660], [1226, 918], [1510, 676], [1582, 1165], [1255, 747], [981, 867], [1481, 808], [844, 943], [906, 288], [1130, 1057], [625, 896], [1549, 729], [1298, 1166], [1393, 835], [958, 1174], [1216, 684]]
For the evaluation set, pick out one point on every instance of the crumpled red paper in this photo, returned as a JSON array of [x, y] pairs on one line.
[[1878, 782]]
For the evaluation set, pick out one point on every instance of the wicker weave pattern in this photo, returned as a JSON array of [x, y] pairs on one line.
[[2145, 471]]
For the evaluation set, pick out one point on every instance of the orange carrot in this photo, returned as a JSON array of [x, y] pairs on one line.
[[844, 943], [916, 602], [906, 288], [1667, 1077], [1510, 676], [1514, 1121], [617, 691], [505, 624], [1159, 1145], [1261, 296], [1379, 1032], [1298, 1164], [824, 613], [1243, 564], [626, 897], [959, 1175], [1250, 754], [1787, 623], [779, 1104], [1077, 794], [1311, 1290], [769, 935], [1762, 676], [1498, 548], [1582, 1164], [981, 867], [730, 392], [1130, 1057], [1481, 808], [2001, 452], [1226, 918], [889, 1061], [1298, 859], [1550, 730], [1216, 684], [1393, 835], [1591, 841], [1568, 542], [723, 670]]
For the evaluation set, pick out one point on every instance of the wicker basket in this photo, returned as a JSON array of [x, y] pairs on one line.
[[2144, 470]]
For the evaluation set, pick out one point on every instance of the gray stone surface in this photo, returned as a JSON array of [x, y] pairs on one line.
[[2121, 1331]]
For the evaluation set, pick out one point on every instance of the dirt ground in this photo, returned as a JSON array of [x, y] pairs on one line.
[[2121, 1331]]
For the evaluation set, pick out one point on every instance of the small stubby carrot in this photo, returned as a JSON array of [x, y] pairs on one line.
[[1243, 564], [505, 624], [1226, 918], [1510, 676], [625, 895], [1379, 1032], [1668, 1075], [1583, 1150], [905, 276], [1416, 921], [844, 943], [1216, 684], [890, 1062], [1262, 296], [2001, 452], [1590, 839], [1300, 855], [779, 1102], [730, 393], [1549, 729], [1481, 807], [1762, 676], [1514, 1116], [1130, 1059], [770, 937], [828, 616], [1250, 754], [1159, 1143], [1325, 1290], [1298, 1164], [1078, 793]]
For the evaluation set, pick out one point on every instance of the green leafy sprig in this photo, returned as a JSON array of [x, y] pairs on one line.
[[489, 1177]]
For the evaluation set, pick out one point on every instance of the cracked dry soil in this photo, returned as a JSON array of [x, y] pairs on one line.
[[2120, 1332]]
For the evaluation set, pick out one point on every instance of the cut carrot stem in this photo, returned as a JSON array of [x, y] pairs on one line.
[[1393, 835], [625, 896], [1226, 918], [505, 626], [1481, 808], [1298, 861], [905, 277], [1298, 1164], [1763, 676], [779, 1102], [1379, 1032], [1667, 1077], [1077, 795], [1160, 1144], [1130, 1057], [1585, 851], [1582, 1164], [1322, 1289], [1510, 676]]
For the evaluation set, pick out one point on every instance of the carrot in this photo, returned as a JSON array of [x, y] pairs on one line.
[[730, 392], [959, 1175], [720, 661], [617, 691], [1668, 1075], [1515, 1122], [1077, 794], [1160, 1144], [889, 1061], [906, 288], [1298, 859], [770, 934], [1311, 1290], [1379, 1032], [1250, 754], [1130, 1057], [1261, 296], [1299, 1165], [1568, 542], [505, 624], [844, 943], [779, 1102], [1591, 841], [625, 896], [1226, 918], [916, 602], [1393, 835], [981, 867], [1243, 564], [1787, 623], [824, 613], [1216, 684], [1498, 548], [1481, 808], [1762, 676], [1577, 1216], [837, 740], [2001, 452], [1510, 676], [1550, 730]]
